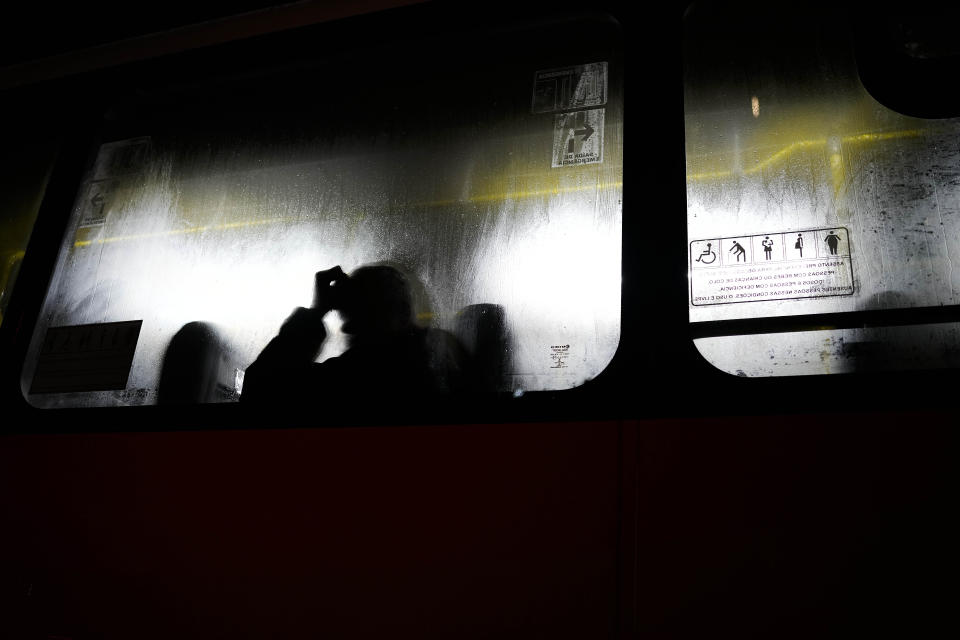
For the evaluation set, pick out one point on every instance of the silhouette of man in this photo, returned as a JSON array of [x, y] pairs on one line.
[[389, 353]]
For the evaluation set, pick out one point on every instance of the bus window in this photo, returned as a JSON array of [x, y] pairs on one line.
[[823, 227], [26, 167], [490, 177]]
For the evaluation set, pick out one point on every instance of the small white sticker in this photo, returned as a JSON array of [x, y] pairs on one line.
[[114, 159], [559, 355], [578, 138], [812, 263], [121, 158], [566, 88], [93, 204]]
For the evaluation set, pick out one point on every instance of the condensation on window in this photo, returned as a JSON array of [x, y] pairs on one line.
[[226, 232], [805, 196]]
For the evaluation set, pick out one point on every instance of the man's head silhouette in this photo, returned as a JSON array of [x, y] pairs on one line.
[[376, 301]]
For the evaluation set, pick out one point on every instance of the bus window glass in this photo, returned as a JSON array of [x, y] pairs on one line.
[[25, 166], [814, 213], [489, 176]]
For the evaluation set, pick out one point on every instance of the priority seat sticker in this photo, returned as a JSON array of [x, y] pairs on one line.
[[809, 263]]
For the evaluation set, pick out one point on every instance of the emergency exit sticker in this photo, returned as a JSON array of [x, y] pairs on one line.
[[89, 357], [810, 263], [578, 138], [567, 88], [92, 205]]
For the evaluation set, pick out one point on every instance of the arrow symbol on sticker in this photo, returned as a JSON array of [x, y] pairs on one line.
[[586, 132]]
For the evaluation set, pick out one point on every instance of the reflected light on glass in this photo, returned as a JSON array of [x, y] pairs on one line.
[[562, 270]]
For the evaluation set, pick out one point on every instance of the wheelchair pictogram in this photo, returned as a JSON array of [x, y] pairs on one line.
[[707, 256]]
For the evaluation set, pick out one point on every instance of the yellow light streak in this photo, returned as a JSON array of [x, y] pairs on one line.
[[878, 137], [489, 197], [805, 144], [15, 257], [519, 195], [176, 232], [785, 152], [12, 260]]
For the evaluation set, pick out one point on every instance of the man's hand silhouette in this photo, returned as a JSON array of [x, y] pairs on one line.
[[328, 289]]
